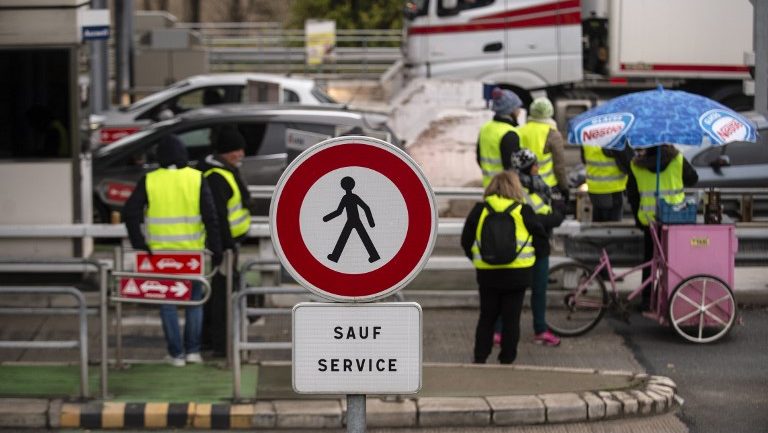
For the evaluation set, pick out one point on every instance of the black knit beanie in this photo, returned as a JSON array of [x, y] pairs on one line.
[[171, 151], [227, 140]]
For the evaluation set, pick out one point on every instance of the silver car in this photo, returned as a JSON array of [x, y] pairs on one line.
[[735, 165], [199, 91], [274, 136]]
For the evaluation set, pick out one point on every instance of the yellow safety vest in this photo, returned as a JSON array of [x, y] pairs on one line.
[[490, 148], [603, 175], [238, 215], [173, 220], [533, 136], [526, 258], [670, 187], [535, 201]]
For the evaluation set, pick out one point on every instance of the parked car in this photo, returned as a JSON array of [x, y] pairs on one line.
[[275, 134], [735, 165], [199, 91]]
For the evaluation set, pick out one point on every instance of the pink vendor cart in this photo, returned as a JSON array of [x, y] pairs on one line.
[[695, 291]]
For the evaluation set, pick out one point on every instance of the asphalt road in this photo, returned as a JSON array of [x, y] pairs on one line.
[[725, 384]]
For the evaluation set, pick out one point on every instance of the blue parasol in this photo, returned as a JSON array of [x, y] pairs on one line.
[[656, 117]]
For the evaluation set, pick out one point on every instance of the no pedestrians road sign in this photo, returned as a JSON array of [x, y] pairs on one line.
[[353, 219]]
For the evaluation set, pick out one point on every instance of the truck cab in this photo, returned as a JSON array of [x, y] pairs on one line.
[[527, 44]]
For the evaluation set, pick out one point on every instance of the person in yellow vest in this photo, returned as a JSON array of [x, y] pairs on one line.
[[607, 171], [502, 286], [498, 138], [541, 136], [232, 201], [674, 173], [175, 205]]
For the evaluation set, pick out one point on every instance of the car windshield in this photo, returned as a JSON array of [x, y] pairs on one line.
[[322, 96], [159, 96]]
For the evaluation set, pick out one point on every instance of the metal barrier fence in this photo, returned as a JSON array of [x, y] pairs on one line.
[[240, 334], [267, 47], [119, 300], [36, 264], [81, 310]]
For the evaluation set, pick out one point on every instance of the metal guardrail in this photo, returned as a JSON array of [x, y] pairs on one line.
[[37, 264], [267, 47], [81, 311], [239, 315]]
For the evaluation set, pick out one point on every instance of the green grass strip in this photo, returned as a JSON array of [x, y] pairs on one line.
[[139, 383]]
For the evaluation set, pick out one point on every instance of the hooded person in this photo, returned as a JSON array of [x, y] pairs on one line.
[[175, 205], [232, 202], [498, 138]]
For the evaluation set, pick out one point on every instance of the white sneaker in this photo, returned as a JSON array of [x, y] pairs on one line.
[[176, 362], [194, 358]]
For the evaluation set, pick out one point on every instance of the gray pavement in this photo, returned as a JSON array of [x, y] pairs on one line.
[[545, 376], [547, 385]]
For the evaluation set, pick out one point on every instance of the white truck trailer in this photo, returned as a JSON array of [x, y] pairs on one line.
[[582, 52]]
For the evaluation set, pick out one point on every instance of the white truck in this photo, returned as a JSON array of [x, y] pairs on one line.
[[582, 52]]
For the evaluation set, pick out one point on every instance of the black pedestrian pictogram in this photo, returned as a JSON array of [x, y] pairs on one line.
[[350, 202]]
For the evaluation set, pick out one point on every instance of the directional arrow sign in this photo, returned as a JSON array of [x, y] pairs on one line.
[[175, 263], [142, 288]]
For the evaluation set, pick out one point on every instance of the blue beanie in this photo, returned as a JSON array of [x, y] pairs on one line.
[[505, 101]]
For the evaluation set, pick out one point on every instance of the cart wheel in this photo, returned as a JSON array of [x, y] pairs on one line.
[[702, 309], [574, 302]]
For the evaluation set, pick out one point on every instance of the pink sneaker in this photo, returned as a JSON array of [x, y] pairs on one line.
[[497, 338], [547, 338]]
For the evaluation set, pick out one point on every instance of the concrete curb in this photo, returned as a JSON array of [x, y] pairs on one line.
[[655, 395]]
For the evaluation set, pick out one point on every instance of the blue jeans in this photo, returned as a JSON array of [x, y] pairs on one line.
[[193, 325], [539, 294]]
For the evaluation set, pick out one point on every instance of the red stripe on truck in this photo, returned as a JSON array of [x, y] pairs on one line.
[[547, 7], [477, 26]]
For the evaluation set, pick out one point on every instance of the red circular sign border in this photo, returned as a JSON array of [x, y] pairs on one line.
[[337, 153]]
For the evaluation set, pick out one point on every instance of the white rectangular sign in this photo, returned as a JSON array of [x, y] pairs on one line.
[[357, 348]]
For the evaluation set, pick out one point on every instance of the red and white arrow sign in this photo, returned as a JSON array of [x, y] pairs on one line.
[[176, 263], [155, 289]]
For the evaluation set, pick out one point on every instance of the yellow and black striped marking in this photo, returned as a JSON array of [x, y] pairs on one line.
[[136, 415]]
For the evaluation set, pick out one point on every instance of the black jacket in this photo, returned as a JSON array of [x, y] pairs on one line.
[[133, 215], [510, 143], [513, 278], [222, 192]]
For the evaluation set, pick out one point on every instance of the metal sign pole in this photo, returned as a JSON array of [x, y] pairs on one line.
[[355, 413], [760, 40], [104, 331], [230, 266], [118, 315]]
